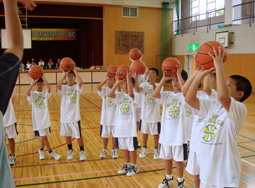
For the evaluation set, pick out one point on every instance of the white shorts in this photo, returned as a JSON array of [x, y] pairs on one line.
[[127, 143], [138, 114], [107, 131], [11, 131], [153, 128], [42, 132], [71, 129], [178, 153], [193, 166], [209, 186]]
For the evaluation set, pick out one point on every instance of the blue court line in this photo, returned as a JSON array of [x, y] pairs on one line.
[[247, 137]]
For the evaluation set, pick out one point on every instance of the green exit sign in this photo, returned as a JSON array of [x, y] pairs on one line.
[[193, 47]]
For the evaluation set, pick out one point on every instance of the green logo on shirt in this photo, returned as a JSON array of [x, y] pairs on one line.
[[188, 111], [209, 133], [124, 108], [40, 102], [73, 96], [109, 101], [174, 111], [150, 99]]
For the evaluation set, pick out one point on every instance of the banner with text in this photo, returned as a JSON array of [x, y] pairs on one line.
[[54, 34]]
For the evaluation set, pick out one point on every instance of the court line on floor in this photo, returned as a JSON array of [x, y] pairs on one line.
[[44, 150], [248, 162], [81, 173]]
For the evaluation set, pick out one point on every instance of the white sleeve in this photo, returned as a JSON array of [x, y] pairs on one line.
[[213, 95], [31, 98], [205, 106], [79, 90], [119, 97], [164, 96], [62, 91], [142, 85], [102, 92], [237, 113], [47, 94], [136, 99]]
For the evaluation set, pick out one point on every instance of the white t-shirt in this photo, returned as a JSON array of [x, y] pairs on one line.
[[108, 112], [150, 109], [141, 79], [220, 161], [9, 116], [41, 63], [139, 99], [40, 111], [199, 123], [70, 109], [28, 66], [125, 125], [172, 129]]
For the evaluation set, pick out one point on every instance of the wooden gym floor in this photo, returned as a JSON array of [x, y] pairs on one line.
[[29, 171]]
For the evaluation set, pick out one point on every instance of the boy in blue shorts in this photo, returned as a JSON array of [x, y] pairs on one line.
[[224, 120], [40, 114]]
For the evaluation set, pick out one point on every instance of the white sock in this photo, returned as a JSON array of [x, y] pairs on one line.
[[128, 164], [180, 179], [169, 177], [134, 165]]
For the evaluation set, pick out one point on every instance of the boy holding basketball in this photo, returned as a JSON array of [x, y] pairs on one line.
[[70, 111], [220, 161], [10, 130], [9, 70], [150, 113], [40, 114], [108, 112], [125, 127], [173, 138]]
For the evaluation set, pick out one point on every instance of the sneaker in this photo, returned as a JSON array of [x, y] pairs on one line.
[[114, 153], [82, 155], [55, 156], [133, 171], [143, 153], [104, 153], [41, 154], [181, 184], [125, 169], [156, 154], [12, 159], [166, 182], [70, 154]]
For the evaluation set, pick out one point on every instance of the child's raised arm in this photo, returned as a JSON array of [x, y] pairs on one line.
[[79, 79], [157, 90], [137, 88], [112, 91], [222, 88], [207, 85], [46, 84], [179, 72], [101, 84], [29, 89], [186, 86], [130, 90], [60, 81], [191, 96]]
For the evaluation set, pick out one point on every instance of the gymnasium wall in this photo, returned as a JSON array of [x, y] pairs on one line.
[[149, 22], [241, 54]]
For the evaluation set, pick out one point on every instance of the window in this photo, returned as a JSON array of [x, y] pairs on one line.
[[202, 9], [130, 12]]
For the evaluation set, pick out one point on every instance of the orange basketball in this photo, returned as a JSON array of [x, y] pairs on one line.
[[135, 54], [122, 71], [67, 64], [138, 67], [35, 72], [111, 71], [169, 67], [203, 59]]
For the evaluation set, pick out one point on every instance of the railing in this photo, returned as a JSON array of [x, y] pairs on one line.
[[244, 11], [192, 23]]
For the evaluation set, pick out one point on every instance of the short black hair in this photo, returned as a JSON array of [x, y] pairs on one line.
[[133, 80], [40, 80], [72, 73], [242, 84], [155, 70], [184, 75]]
